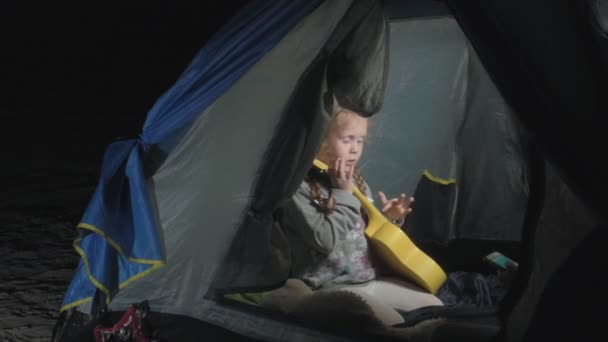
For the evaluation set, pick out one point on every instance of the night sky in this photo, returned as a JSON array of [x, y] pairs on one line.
[[75, 77]]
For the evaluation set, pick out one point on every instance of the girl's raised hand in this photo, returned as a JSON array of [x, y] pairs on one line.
[[396, 209], [340, 178]]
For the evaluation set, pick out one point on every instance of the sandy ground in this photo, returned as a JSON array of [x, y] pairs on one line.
[[37, 227]]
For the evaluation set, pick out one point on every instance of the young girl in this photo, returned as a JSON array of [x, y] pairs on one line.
[[325, 224]]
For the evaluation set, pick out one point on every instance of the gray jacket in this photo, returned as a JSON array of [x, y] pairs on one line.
[[327, 249]]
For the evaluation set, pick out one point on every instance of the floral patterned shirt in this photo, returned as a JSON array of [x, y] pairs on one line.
[[327, 248]]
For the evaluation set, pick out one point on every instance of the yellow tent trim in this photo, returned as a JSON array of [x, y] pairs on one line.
[[155, 264], [253, 298], [116, 245], [102, 288], [83, 255], [74, 304], [437, 179], [140, 275]]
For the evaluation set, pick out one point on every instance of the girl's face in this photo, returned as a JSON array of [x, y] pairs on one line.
[[345, 140]]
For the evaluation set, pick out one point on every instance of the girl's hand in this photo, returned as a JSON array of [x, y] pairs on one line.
[[340, 178], [396, 209]]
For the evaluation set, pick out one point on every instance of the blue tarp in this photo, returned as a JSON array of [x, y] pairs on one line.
[[119, 240]]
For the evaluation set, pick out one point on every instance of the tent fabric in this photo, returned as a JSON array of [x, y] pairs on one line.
[[203, 201], [552, 247], [415, 9], [599, 19], [259, 256], [124, 243], [439, 105], [555, 98], [599, 11], [430, 221], [550, 67], [584, 305], [423, 106], [492, 192], [358, 69], [223, 60], [225, 168]]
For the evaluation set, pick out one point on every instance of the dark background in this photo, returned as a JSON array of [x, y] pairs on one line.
[[74, 77]]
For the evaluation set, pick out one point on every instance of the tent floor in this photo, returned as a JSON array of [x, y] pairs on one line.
[[467, 255], [171, 328], [462, 255], [167, 327]]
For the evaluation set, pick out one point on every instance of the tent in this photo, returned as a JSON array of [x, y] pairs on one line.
[[467, 112]]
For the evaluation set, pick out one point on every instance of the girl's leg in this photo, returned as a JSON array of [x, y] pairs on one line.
[[396, 293], [383, 312], [384, 295]]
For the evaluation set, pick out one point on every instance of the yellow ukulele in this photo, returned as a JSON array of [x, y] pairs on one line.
[[395, 248]]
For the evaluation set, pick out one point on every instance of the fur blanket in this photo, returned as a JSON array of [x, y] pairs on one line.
[[343, 311]]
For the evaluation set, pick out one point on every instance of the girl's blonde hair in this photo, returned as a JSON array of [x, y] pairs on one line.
[[328, 203]]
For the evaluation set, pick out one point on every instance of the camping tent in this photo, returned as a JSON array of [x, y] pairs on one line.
[[185, 213]]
